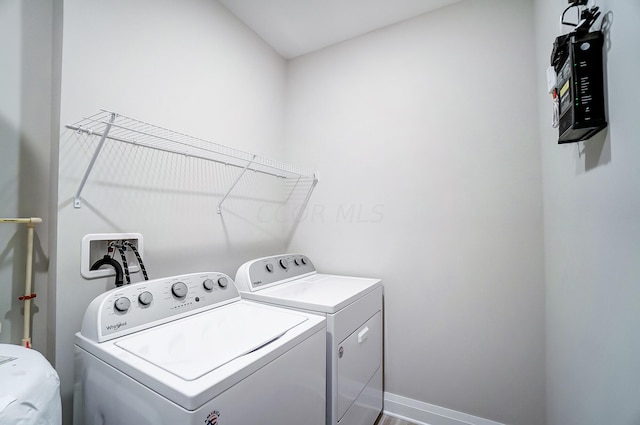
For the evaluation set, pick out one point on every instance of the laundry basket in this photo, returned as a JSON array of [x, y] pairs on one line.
[[29, 388]]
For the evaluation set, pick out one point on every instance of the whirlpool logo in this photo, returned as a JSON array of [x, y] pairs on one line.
[[116, 326]]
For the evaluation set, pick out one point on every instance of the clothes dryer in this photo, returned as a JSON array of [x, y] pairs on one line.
[[353, 308], [187, 350]]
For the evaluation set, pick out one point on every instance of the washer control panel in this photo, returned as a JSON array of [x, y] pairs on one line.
[[267, 271], [142, 305]]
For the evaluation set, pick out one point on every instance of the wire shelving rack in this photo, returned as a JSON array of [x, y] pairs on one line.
[[109, 125]]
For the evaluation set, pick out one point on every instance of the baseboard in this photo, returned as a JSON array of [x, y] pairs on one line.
[[422, 413]]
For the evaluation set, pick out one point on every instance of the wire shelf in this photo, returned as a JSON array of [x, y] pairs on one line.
[[120, 128]]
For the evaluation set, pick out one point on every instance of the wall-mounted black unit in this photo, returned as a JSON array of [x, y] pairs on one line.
[[578, 63]]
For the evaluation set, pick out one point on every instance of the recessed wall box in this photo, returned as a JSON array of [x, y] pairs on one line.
[[95, 246]]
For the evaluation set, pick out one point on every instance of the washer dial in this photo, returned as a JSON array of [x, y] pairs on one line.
[[208, 284], [179, 289], [122, 304], [284, 263], [222, 282], [145, 298]]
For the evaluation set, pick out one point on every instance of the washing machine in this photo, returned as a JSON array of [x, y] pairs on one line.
[[353, 309], [29, 388], [188, 350]]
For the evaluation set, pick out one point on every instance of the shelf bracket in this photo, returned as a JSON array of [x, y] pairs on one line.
[[303, 206], [293, 189], [244, 170], [77, 203]]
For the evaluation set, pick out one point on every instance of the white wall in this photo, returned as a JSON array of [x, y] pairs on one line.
[[425, 134], [25, 123], [428, 151], [189, 66], [592, 238], [9, 134]]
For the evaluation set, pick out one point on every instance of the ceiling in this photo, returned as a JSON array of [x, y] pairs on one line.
[[296, 27]]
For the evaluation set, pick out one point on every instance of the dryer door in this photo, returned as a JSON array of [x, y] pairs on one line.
[[359, 357]]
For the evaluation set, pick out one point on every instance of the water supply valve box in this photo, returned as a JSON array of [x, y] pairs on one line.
[[95, 246]]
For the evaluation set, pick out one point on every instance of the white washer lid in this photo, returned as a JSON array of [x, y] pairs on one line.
[[236, 329], [319, 292]]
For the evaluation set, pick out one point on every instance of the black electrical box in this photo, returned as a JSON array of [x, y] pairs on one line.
[[580, 86]]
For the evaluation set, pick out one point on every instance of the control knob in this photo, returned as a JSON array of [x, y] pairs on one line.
[[208, 284], [122, 304], [284, 263], [269, 267], [179, 289], [222, 282], [145, 298]]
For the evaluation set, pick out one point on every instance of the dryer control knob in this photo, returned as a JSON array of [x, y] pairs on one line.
[[303, 260], [179, 289], [284, 263], [208, 284], [145, 298], [269, 267], [122, 304], [222, 282], [297, 261]]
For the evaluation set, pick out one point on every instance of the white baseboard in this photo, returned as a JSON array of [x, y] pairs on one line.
[[422, 413]]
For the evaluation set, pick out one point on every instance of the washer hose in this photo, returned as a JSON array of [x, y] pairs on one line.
[[139, 258], [125, 265], [108, 261]]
